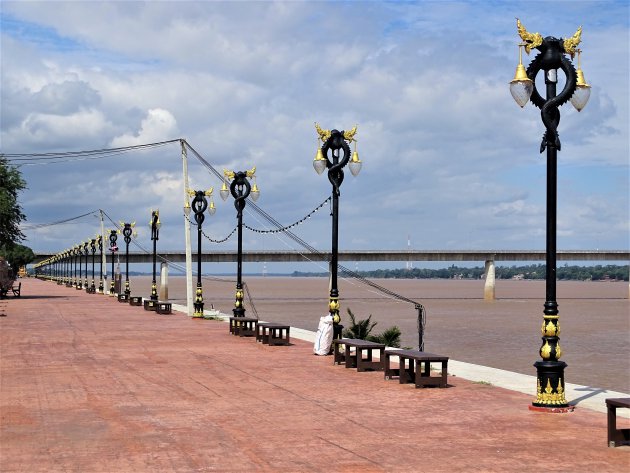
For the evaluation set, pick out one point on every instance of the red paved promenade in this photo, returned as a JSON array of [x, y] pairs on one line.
[[91, 385]]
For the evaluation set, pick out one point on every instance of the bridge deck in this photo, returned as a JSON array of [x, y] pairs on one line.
[[271, 256]]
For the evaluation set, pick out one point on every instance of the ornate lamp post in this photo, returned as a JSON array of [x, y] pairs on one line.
[[70, 253], [199, 205], [92, 289], [99, 242], [155, 225], [552, 56], [127, 232], [240, 188], [66, 268], [58, 270], [77, 253], [335, 142], [113, 236], [86, 252]]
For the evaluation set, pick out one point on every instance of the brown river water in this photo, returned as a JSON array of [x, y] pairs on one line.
[[505, 333]]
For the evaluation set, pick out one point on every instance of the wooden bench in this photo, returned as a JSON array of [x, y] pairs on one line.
[[273, 333], [243, 326], [150, 304], [410, 369], [617, 437], [164, 308], [16, 290], [355, 359]]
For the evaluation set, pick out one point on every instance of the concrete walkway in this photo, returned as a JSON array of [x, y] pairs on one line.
[[92, 385]]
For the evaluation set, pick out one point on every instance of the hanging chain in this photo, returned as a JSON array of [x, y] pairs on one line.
[[207, 237], [295, 224]]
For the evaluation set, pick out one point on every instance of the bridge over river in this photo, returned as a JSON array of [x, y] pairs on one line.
[[271, 256], [489, 257]]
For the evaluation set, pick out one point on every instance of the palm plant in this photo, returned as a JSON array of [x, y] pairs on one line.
[[390, 337], [361, 329]]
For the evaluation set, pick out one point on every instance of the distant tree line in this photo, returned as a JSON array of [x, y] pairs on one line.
[[532, 271]]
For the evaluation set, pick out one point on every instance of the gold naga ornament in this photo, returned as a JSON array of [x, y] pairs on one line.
[[533, 40], [347, 135]]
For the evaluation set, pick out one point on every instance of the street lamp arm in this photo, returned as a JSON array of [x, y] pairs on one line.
[[240, 189], [549, 59], [335, 142]]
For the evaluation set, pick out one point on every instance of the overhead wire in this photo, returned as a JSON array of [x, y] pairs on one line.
[[343, 270], [35, 226], [25, 159]]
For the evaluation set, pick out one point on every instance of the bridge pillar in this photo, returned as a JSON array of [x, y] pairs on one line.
[[488, 288], [164, 281]]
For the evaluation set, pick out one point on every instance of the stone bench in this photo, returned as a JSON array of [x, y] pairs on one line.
[[273, 333], [150, 304], [243, 326], [617, 437], [355, 359], [410, 367], [164, 308]]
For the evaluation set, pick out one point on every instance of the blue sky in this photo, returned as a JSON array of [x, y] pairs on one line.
[[449, 159]]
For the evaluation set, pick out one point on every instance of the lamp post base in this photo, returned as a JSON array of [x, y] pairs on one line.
[[552, 410], [550, 385], [239, 312], [198, 314]]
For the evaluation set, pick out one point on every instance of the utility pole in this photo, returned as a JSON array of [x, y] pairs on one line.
[[189, 278]]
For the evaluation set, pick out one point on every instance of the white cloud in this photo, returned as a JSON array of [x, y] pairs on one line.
[[159, 125], [447, 154]]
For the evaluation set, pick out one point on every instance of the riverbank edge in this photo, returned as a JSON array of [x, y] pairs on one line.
[[588, 397]]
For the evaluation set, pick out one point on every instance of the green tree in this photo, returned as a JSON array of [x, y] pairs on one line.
[[11, 183], [17, 255]]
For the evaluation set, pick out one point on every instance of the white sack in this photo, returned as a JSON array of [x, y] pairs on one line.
[[324, 336]]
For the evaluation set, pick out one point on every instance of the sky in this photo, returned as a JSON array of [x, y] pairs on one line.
[[450, 161]]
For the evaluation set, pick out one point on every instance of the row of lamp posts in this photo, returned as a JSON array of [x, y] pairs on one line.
[[68, 268], [240, 189], [334, 154]]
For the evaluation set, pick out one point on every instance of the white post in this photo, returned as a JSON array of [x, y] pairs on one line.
[[104, 241], [189, 276], [164, 281], [488, 289]]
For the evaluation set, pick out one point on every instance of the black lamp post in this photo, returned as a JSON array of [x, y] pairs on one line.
[[68, 255], [336, 142], [240, 188], [71, 267], [550, 371], [127, 232], [113, 236], [99, 242], [77, 253], [155, 225], [93, 249], [199, 205], [86, 252]]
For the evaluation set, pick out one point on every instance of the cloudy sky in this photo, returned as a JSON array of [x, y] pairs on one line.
[[449, 159]]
